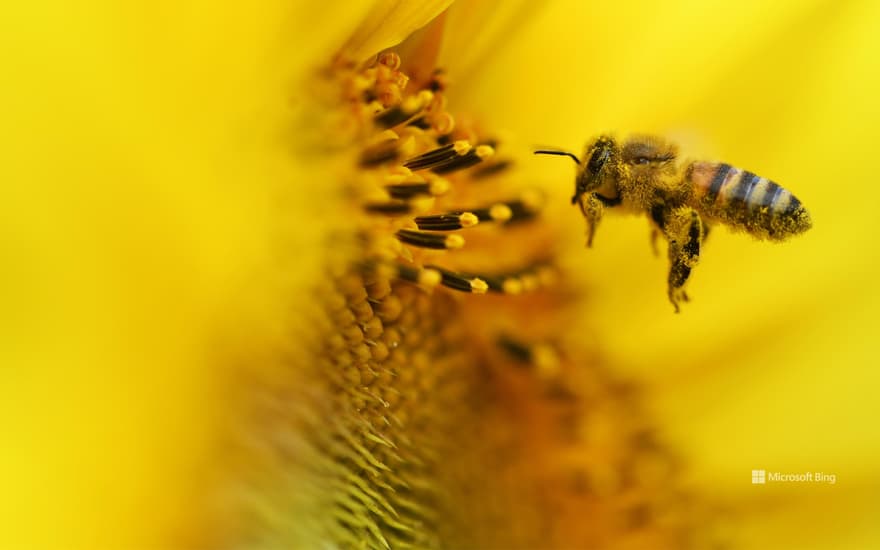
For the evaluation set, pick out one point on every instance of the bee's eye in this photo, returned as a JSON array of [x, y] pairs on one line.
[[641, 160], [598, 160]]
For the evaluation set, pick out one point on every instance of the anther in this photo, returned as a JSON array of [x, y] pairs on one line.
[[506, 212], [380, 153], [398, 114], [391, 208], [420, 122], [463, 283], [516, 349], [447, 222], [542, 357], [427, 277], [490, 169], [433, 157], [499, 212], [465, 160], [409, 189], [430, 240], [512, 285], [503, 284]]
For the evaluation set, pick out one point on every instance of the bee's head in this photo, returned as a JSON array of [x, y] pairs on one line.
[[594, 167], [593, 170]]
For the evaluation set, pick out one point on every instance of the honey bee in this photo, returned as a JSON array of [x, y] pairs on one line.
[[643, 175]]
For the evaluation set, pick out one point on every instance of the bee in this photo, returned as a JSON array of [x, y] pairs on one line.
[[682, 200]]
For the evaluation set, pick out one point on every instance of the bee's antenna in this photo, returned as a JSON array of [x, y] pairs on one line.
[[560, 153]]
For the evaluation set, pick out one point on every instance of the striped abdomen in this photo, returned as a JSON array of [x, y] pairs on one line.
[[742, 199]]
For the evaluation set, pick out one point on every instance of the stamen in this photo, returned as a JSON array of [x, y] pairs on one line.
[[532, 200], [420, 122], [466, 160], [430, 240], [426, 160], [409, 189], [490, 169], [498, 212], [530, 279], [391, 208], [542, 357], [515, 349], [407, 109], [427, 277], [380, 153], [509, 212], [447, 222], [504, 285], [520, 211], [474, 285]]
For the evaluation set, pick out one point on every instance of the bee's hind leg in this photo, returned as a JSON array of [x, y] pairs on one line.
[[684, 229]]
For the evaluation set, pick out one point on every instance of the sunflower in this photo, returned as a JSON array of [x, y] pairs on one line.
[[290, 277]]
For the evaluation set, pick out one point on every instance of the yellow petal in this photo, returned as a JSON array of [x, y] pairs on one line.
[[389, 23], [146, 175], [479, 30]]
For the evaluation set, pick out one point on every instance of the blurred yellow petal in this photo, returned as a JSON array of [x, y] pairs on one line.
[[479, 30], [143, 160], [388, 23]]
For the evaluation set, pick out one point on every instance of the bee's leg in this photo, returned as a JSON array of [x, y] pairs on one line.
[[654, 234], [684, 230], [592, 209], [658, 216]]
